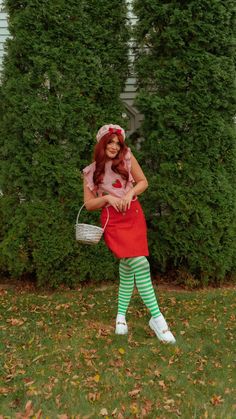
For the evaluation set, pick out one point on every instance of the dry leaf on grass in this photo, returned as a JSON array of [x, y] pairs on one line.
[[103, 412], [215, 400], [134, 392], [16, 322], [93, 397]]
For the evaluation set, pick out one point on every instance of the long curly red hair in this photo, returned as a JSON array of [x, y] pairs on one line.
[[100, 158]]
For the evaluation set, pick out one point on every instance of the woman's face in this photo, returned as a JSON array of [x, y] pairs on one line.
[[113, 147]]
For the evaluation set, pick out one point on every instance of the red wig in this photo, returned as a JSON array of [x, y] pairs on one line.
[[100, 158]]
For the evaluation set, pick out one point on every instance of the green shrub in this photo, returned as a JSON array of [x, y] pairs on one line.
[[185, 64], [64, 69]]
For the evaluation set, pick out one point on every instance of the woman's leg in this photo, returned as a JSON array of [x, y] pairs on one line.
[[125, 293], [141, 269], [126, 287]]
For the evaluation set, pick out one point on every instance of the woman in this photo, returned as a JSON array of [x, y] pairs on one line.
[[114, 180]]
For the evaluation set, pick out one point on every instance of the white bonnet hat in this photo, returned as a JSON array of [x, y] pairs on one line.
[[110, 128]]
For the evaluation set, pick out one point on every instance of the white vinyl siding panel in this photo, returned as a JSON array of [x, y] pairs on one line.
[[4, 33], [134, 118]]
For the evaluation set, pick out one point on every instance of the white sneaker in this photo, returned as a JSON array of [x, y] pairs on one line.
[[160, 327], [121, 328]]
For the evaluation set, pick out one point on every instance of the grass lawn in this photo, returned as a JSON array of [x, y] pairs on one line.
[[61, 359]]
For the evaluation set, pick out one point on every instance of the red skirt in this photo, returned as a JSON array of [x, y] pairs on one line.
[[126, 233]]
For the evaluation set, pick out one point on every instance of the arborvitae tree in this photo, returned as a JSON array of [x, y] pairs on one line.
[[64, 69], [185, 64]]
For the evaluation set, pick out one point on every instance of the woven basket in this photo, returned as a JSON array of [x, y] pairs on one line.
[[88, 233]]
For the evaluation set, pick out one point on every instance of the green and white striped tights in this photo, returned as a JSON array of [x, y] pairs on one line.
[[136, 268]]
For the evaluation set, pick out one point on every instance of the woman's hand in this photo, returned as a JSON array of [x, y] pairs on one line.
[[114, 202], [126, 200], [121, 204]]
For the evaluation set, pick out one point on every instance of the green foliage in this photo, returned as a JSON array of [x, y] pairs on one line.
[[64, 69], [185, 63]]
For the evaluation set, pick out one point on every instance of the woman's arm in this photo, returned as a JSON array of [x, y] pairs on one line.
[[93, 203], [139, 177], [141, 183]]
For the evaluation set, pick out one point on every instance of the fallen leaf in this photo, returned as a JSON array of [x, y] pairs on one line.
[[134, 409], [134, 392], [15, 322], [28, 382], [157, 373], [28, 411], [169, 401], [29, 407], [215, 400], [128, 372], [103, 412], [171, 360], [93, 397], [121, 351], [62, 306], [58, 401], [38, 415], [162, 384], [96, 378], [172, 378], [117, 363], [4, 391]]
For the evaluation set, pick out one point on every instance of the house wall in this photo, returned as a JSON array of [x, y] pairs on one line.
[[134, 118], [131, 114], [4, 33]]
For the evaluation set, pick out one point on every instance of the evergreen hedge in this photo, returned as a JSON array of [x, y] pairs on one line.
[[185, 64], [65, 66]]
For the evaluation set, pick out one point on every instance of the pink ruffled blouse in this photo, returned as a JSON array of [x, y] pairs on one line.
[[112, 184]]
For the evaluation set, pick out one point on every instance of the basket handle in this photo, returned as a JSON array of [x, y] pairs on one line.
[[108, 215]]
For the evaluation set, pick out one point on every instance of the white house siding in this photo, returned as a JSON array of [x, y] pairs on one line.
[[128, 96], [133, 116], [4, 33]]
